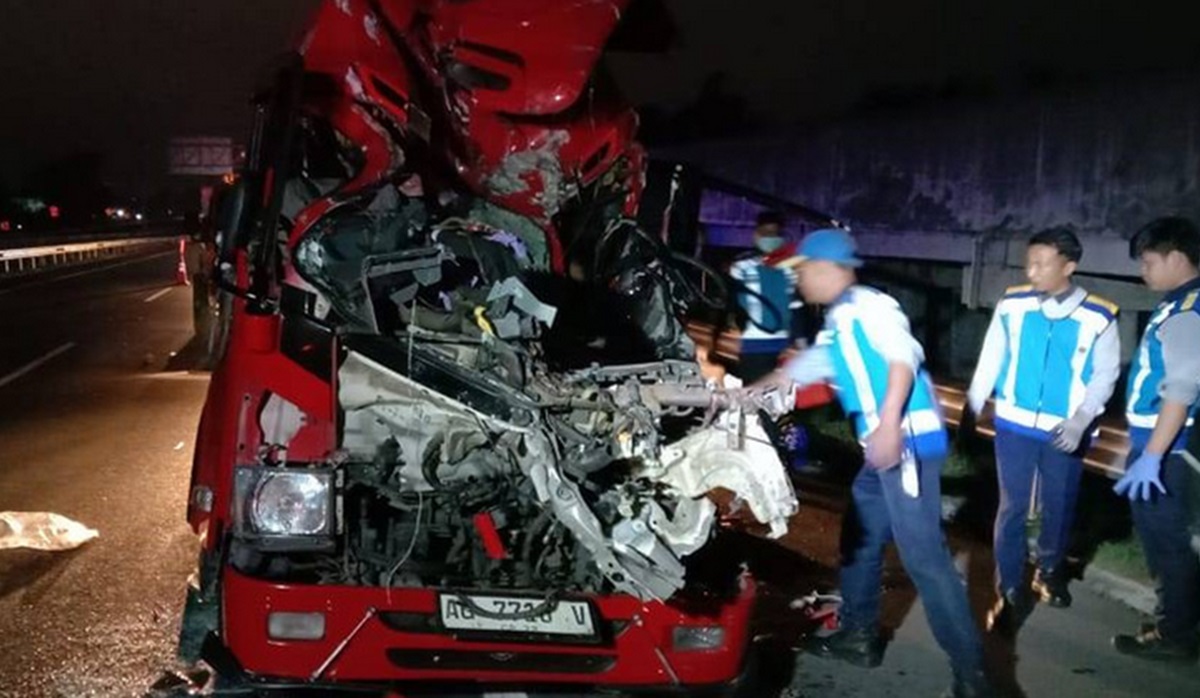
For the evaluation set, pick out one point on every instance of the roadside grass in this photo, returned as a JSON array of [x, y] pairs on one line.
[[828, 423], [960, 466], [1123, 558]]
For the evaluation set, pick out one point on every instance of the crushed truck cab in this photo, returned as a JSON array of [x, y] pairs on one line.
[[456, 432]]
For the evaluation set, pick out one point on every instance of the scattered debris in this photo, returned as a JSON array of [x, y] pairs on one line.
[[42, 531], [189, 681], [820, 609]]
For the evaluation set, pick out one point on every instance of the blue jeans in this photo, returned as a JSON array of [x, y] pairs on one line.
[[1018, 457], [880, 513], [1162, 525]]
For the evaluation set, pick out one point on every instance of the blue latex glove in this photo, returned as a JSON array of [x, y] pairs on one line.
[[1140, 477]]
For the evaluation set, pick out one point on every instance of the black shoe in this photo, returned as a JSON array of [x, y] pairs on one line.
[[1150, 645], [859, 647], [1009, 613], [1052, 588], [969, 686]]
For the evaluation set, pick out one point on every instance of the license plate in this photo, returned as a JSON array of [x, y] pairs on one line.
[[571, 618]]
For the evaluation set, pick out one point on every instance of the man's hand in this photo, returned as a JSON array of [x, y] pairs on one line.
[[884, 446], [886, 443], [1067, 436], [709, 370], [976, 400], [1141, 477]]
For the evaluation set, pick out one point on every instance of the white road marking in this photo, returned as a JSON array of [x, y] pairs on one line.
[[158, 294], [32, 365]]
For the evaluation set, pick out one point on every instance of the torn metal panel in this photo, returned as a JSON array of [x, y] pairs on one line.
[[540, 163]]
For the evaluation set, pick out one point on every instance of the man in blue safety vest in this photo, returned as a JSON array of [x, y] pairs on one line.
[[767, 297], [1052, 356], [1161, 406], [868, 352]]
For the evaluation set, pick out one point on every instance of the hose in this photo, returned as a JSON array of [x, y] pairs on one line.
[[412, 544]]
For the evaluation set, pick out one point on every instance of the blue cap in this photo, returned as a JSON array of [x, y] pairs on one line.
[[829, 245]]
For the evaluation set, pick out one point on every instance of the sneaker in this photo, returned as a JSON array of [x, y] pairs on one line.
[[1009, 614], [969, 686], [859, 647], [1149, 644], [1051, 586]]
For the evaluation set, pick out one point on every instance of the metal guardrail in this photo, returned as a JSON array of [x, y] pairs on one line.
[[1105, 456], [27, 259], [98, 233]]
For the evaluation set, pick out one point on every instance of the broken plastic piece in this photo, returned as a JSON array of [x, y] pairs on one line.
[[821, 609], [185, 681], [524, 300], [40, 530]]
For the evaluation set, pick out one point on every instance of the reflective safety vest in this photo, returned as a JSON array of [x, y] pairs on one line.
[[768, 299], [1043, 379], [861, 371], [1146, 374]]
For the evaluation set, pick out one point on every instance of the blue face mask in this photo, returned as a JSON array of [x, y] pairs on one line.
[[767, 245]]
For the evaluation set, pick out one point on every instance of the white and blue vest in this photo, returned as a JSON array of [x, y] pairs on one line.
[[861, 372], [1048, 362], [768, 306], [1142, 400]]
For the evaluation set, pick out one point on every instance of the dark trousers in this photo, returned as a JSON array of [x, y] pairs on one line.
[[1018, 457], [880, 513], [1162, 525]]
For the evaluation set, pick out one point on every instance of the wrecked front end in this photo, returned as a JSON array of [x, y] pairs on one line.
[[468, 530], [458, 432], [480, 516]]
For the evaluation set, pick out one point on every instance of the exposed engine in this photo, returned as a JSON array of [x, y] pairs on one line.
[[572, 485], [474, 454]]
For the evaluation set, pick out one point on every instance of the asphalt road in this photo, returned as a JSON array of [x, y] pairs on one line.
[[94, 427], [1059, 653], [97, 423]]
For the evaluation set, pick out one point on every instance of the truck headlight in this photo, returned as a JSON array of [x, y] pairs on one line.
[[284, 507]]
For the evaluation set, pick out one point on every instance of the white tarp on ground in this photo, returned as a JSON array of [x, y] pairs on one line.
[[41, 530]]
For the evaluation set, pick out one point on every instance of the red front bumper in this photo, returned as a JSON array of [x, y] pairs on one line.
[[400, 640]]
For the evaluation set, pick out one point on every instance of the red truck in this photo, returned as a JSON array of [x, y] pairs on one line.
[[456, 435]]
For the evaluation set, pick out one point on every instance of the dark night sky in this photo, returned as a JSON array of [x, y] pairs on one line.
[[121, 76]]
